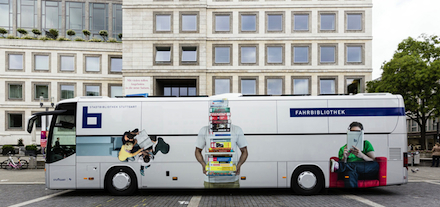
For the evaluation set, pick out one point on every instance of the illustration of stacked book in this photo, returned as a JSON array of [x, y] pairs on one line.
[[220, 152]]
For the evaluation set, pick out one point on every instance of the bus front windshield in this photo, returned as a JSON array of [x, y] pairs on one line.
[[62, 142]]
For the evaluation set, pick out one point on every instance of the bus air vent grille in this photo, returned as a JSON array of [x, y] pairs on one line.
[[395, 154]]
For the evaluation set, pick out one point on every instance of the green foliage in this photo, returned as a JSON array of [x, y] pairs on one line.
[[95, 40], [112, 40], [28, 37], [6, 148], [79, 39], [120, 35], [414, 73], [71, 32], [36, 31], [3, 31], [86, 33], [63, 39], [44, 38], [20, 142], [54, 33], [22, 31], [104, 34], [31, 147], [12, 37]]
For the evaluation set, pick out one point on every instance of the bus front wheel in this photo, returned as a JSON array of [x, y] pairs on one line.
[[307, 180], [121, 181]]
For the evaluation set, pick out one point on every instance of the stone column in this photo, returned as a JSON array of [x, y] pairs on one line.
[[110, 20]]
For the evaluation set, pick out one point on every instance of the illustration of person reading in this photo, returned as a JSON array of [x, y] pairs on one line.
[[356, 164], [125, 153]]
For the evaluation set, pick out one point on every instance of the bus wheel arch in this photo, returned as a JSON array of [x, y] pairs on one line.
[[307, 180], [121, 181]]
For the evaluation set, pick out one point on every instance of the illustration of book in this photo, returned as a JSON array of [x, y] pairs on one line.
[[214, 118], [220, 114], [231, 168], [221, 121], [220, 159], [219, 110]]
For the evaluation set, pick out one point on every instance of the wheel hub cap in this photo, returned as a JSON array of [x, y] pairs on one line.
[[121, 181], [307, 180]]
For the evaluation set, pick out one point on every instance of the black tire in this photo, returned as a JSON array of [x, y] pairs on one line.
[[4, 164], [307, 180], [128, 184], [24, 164]]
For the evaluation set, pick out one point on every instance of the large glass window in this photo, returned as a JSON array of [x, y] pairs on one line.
[[163, 55], [222, 55], [67, 63], [163, 22], [354, 54], [328, 21], [189, 22], [248, 86], [27, 12], [222, 23], [301, 86], [15, 120], [179, 87], [98, 18], [92, 90], [274, 86], [222, 86], [67, 91], [15, 91], [274, 22], [51, 15], [41, 62], [327, 54], [117, 21], [92, 64], [75, 17], [248, 54], [301, 22], [6, 15], [327, 86], [115, 64], [353, 85], [15, 61], [41, 90], [354, 21], [300, 54], [274, 54], [248, 22], [189, 54], [115, 91]]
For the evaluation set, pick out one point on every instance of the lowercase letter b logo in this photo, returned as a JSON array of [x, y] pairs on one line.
[[91, 120]]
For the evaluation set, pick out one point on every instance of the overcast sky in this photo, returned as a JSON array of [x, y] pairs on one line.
[[395, 20]]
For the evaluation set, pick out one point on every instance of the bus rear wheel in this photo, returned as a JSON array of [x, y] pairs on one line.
[[121, 181], [307, 180]]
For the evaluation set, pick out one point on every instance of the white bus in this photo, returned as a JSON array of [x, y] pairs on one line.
[[289, 142]]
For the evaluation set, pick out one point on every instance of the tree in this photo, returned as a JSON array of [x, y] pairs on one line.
[[54, 33], [36, 32], [22, 31], [3, 31], [104, 34], [70, 33], [86, 33], [414, 73]]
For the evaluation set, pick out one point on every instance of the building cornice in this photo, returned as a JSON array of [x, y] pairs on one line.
[[240, 5]]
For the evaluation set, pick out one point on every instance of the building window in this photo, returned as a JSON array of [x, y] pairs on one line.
[[67, 63], [41, 62], [75, 17], [115, 64], [354, 85], [93, 64], [115, 90], [300, 22], [92, 89], [163, 54], [248, 86], [15, 121], [222, 22], [67, 91], [163, 22], [414, 126], [176, 87], [248, 22], [327, 22], [41, 90], [275, 54], [327, 54], [6, 15], [301, 85], [222, 55], [248, 54], [354, 22], [327, 86], [98, 19], [189, 55], [274, 22], [274, 86], [51, 15], [189, 22], [222, 85], [15, 91], [15, 61], [27, 14], [301, 54], [354, 54], [117, 21]]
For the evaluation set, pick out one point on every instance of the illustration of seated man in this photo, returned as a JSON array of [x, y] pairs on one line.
[[145, 158], [355, 164], [125, 153], [160, 145], [129, 137]]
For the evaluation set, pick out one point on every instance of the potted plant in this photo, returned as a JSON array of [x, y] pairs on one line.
[[104, 34], [36, 32], [3, 31], [31, 150], [71, 33], [86, 33], [8, 149], [22, 31], [54, 33]]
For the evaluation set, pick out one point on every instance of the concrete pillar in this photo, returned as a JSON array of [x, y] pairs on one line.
[[39, 15], [110, 20], [63, 17]]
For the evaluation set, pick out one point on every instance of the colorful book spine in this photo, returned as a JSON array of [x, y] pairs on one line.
[[220, 173], [215, 118], [219, 103], [219, 110], [220, 159], [217, 144], [231, 168], [220, 114], [220, 149], [221, 121]]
